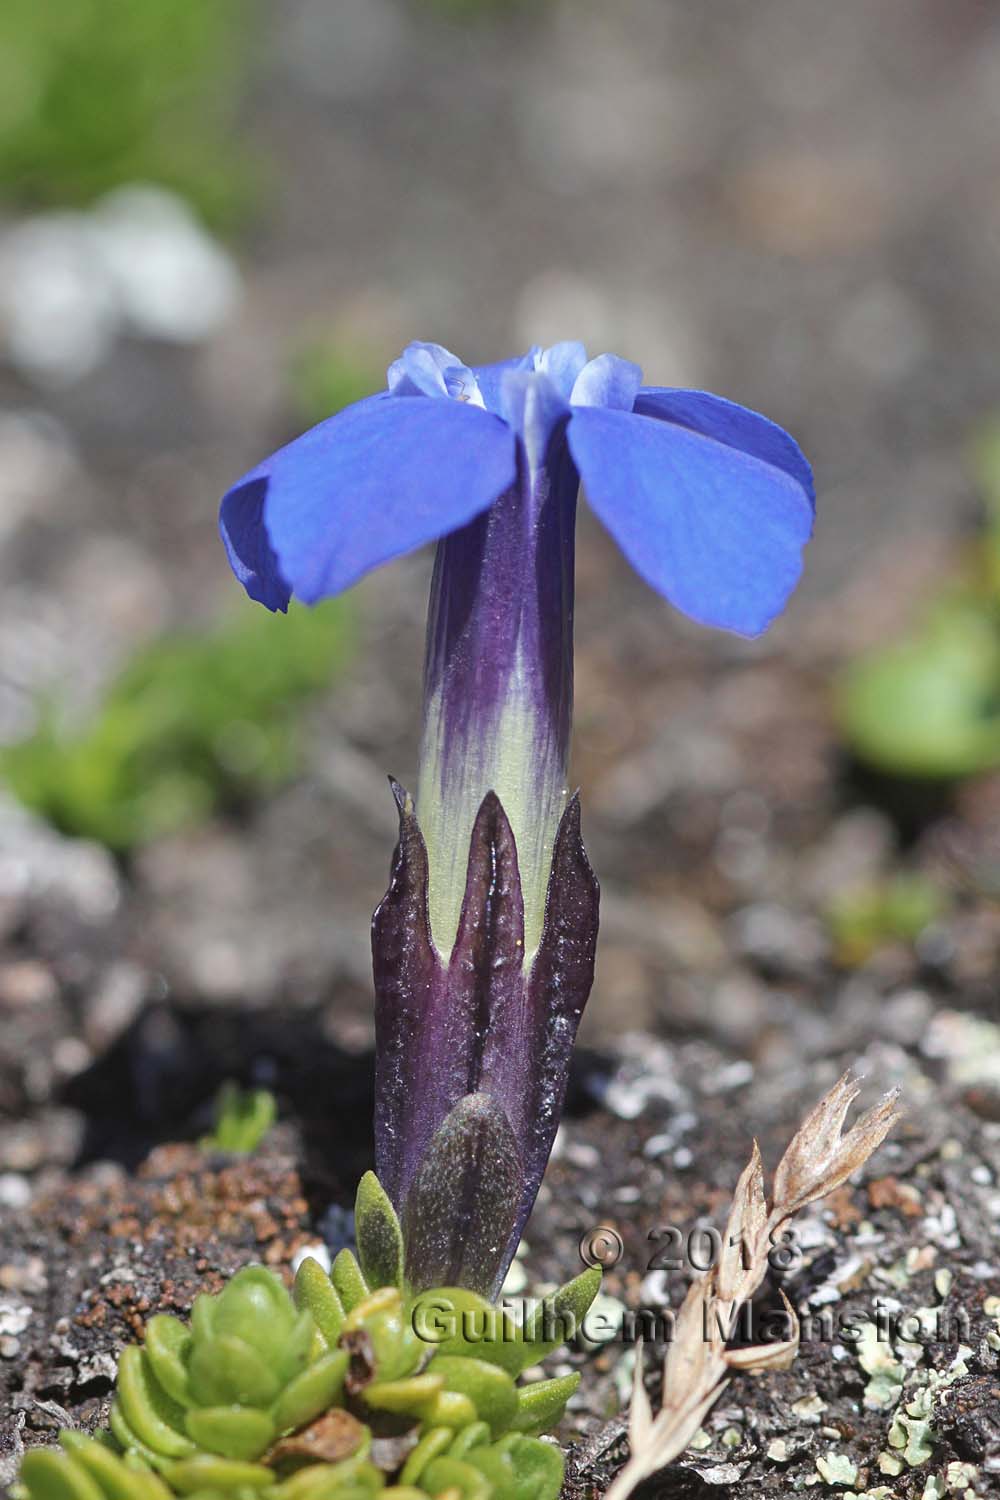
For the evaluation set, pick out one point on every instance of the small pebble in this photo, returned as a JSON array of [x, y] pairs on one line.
[[603, 1322], [27, 984], [71, 1056], [317, 1252], [734, 1076], [15, 1190], [29, 1277], [722, 1474], [13, 1318], [808, 1408], [515, 1281], [582, 1155], [654, 1290], [837, 1468]]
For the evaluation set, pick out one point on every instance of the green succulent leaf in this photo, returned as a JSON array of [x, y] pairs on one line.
[[348, 1281], [457, 1477], [156, 1418], [476, 1435], [352, 1476], [311, 1393], [167, 1349], [521, 1468], [413, 1396], [203, 1316], [227, 1370], [130, 1442], [435, 1441], [240, 1432], [541, 1406], [117, 1479], [490, 1389], [206, 1472], [380, 1239], [296, 1349], [396, 1348], [316, 1294], [48, 1475], [168, 1343], [558, 1318], [255, 1306], [455, 1321], [451, 1409], [242, 1119]]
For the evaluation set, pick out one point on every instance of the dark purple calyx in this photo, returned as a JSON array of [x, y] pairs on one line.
[[473, 1050]]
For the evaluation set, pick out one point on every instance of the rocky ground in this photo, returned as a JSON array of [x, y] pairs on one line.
[[895, 1277]]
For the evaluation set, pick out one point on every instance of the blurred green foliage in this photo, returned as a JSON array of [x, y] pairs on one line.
[[929, 705], [193, 724], [987, 460], [896, 910], [327, 376], [242, 1119], [96, 93]]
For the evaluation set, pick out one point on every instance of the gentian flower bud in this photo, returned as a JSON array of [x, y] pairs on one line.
[[484, 944]]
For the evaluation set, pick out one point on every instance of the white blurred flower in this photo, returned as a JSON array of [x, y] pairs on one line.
[[174, 282], [58, 303], [139, 262]]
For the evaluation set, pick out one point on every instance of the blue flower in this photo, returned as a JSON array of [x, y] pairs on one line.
[[484, 944], [710, 502]]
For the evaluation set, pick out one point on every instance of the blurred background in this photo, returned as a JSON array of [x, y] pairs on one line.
[[218, 223]]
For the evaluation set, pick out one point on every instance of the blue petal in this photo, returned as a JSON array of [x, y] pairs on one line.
[[726, 422], [607, 381], [251, 555], [532, 406], [429, 370], [490, 377], [562, 363], [717, 528], [371, 483]]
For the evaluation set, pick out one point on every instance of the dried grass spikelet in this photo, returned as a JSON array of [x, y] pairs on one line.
[[698, 1364]]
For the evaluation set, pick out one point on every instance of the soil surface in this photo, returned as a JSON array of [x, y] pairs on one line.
[[654, 1140]]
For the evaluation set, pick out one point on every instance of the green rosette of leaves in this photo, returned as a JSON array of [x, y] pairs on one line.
[[352, 1388]]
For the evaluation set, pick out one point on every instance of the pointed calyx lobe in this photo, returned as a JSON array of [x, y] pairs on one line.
[[473, 1050]]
